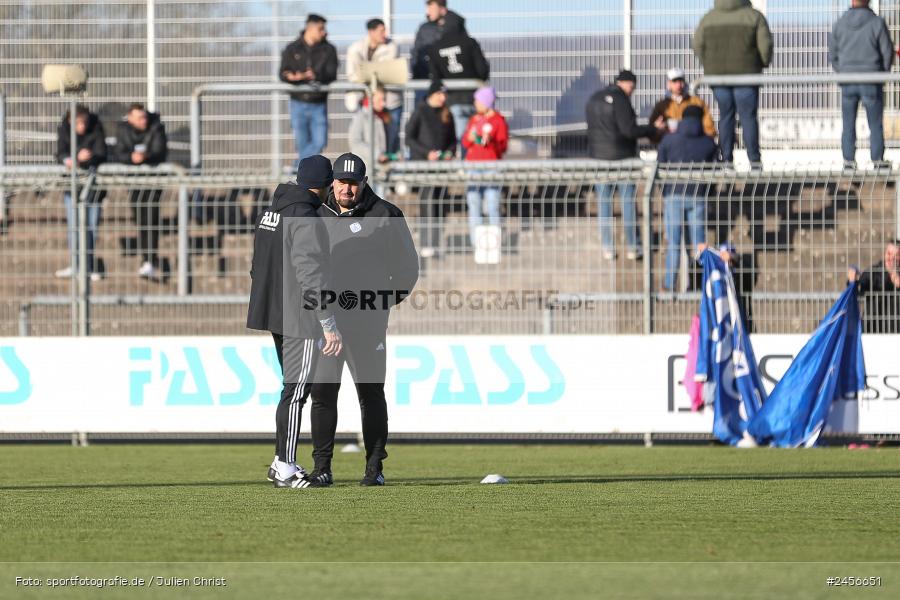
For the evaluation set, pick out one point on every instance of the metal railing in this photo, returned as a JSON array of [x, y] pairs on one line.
[[285, 88], [795, 228]]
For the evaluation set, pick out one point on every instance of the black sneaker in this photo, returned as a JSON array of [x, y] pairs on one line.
[[372, 477], [316, 479]]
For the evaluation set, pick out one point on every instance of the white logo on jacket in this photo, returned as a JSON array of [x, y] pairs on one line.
[[355, 227], [270, 220], [451, 54]]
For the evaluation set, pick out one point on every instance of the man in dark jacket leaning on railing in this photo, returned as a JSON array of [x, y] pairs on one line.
[[141, 140]]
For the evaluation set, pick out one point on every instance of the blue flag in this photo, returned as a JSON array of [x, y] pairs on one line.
[[829, 366], [725, 356]]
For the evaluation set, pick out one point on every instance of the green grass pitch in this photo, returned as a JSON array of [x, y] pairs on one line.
[[576, 521]]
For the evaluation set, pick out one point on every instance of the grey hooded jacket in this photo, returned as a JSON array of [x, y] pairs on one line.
[[860, 43]]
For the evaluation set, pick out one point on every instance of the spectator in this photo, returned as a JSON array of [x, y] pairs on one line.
[[678, 98], [310, 59], [141, 140], [428, 33], [90, 141], [486, 137], [375, 47], [685, 202], [613, 134], [431, 135], [861, 43], [880, 287], [361, 130], [456, 55], [734, 39]]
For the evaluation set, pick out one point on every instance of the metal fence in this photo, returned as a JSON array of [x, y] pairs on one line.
[[795, 229], [546, 62]]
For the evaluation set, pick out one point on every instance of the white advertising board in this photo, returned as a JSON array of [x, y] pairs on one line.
[[435, 384]]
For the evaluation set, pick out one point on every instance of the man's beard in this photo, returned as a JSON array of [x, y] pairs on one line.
[[347, 203]]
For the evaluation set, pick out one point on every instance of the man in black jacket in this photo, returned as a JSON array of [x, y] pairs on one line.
[[291, 233], [428, 33], [90, 141], [310, 59], [613, 134], [374, 267], [141, 140], [880, 288], [456, 55]]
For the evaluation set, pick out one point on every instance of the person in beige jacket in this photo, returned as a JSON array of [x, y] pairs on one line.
[[375, 47], [678, 98]]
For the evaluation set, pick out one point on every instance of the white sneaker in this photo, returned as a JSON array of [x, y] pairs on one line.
[[633, 255], [609, 255], [147, 270], [427, 252], [67, 272], [95, 277]]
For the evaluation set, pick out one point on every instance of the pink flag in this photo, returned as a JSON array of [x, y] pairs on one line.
[[694, 388]]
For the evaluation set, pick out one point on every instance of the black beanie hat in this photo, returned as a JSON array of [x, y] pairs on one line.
[[626, 75], [314, 172]]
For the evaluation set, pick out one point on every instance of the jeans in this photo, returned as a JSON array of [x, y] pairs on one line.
[[872, 97], [93, 226], [474, 196], [461, 115], [678, 210], [309, 120], [392, 130], [745, 101], [627, 192]]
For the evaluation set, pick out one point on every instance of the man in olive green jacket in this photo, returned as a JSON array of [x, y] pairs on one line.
[[734, 39]]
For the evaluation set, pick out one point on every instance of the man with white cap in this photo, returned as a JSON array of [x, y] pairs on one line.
[[678, 98]]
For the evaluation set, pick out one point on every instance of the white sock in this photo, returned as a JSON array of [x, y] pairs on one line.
[[284, 469]]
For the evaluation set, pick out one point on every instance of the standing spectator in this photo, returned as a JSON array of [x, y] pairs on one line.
[[431, 135], [486, 137], [310, 59], [141, 140], [613, 134], [880, 287], [375, 47], [360, 133], [90, 141], [456, 55], [685, 202], [428, 33], [678, 99], [861, 43], [734, 39]]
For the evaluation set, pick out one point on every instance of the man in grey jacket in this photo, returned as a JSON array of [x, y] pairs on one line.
[[860, 43]]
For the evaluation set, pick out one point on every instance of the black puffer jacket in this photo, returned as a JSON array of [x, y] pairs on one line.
[[613, 131], [321, 58], [426, 131], [307, 245], [94, 139], [373, 257], [154, 138], [456, 55]]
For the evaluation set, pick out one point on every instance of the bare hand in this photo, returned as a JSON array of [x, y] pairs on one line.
[[700, 248], [309, 75], [137, 157], [434, 155], [68, 162], [84, 155], [852, 275], [293, 75], [660, 122], [333, 343]]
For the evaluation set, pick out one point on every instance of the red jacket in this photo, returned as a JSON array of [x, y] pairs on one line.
[[494, 130]]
